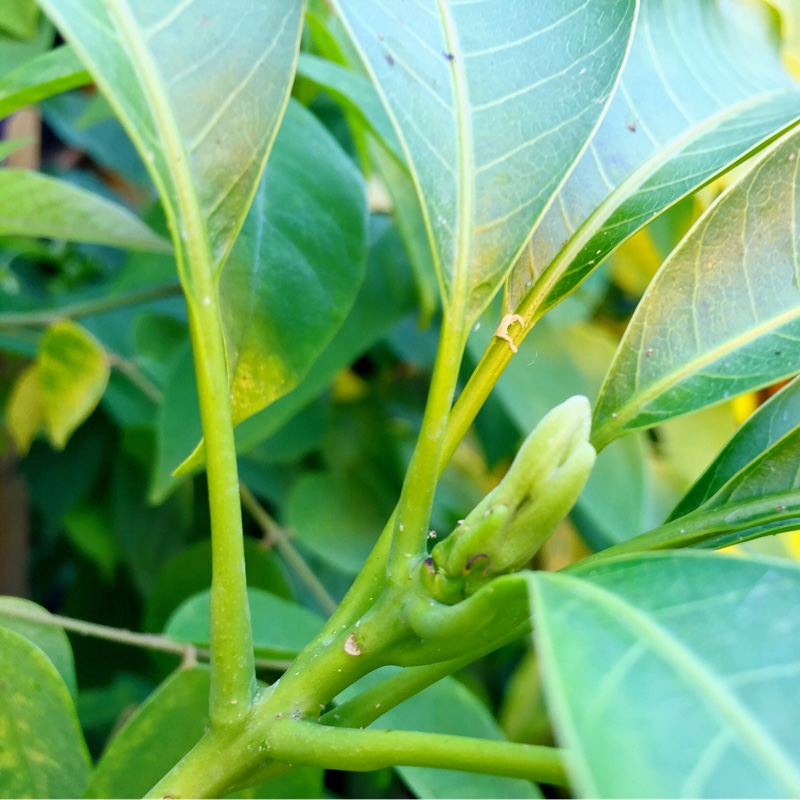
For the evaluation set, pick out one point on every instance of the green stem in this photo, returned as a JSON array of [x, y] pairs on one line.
[[88, 308], [372, 703], [277, 536], [233, 681], [358, 750], [427, 462]]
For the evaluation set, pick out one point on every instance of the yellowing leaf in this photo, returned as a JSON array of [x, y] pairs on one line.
[[73, 373], [25, 411]]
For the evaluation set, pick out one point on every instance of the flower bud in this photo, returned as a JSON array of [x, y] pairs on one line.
[[504, 531]]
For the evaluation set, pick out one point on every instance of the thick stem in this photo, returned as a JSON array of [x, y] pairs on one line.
[[427, 462], [359, 750], [233, 682]]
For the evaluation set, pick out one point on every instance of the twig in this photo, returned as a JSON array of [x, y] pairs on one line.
[[149, 641], [276, 535]]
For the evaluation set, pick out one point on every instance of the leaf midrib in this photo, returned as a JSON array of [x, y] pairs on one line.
[[629, 186], [700, 679], [196, 245]]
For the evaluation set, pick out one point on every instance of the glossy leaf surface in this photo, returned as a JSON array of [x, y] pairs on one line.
[[297, 265], [15, 615], [32, 204], [681, 666], [43, 751], [155, 738], [703, 86], [465, 84], [723, 314], [179, 108]]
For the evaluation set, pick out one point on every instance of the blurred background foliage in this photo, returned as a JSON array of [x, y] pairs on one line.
[[94, 526]]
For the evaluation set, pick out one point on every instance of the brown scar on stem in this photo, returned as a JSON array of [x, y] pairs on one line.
[[502, 329], [351, 646]]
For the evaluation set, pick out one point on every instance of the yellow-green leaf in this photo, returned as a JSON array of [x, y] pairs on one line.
[[25, 411], [73, 372]]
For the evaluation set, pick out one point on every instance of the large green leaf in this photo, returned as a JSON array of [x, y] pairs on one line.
[[32, 204], [42, 747], [723, 314], [763, 429], [297, 265], [386, 295], [446, 707], [492, 106], [48, 74], [674, 675], [163, 729], [702, 87], [280, 628], [204, 132], [23, 617]]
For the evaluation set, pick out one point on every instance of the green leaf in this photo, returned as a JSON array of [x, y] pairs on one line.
[[772, 421], [43, 751], [13, 53], [355, 93], [163, 729], [674, 675], [73, 373], [337, 517], [179, 107], [280, 628], [15, 615], [189, 572], [89, 529], [19, 18], [41, 77], [300, 782], [722, 316], [297, 265], [703, 87], [32, 204], [446, 707], [386, 295], [465, 85]]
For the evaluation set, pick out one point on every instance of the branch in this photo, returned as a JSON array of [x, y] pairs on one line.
[[360, 750], [276, 535], [149, 641]]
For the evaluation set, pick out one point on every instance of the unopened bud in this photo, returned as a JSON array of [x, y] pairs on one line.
[[503, 532]]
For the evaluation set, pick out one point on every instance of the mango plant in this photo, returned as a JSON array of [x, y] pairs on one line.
[[262, 228]]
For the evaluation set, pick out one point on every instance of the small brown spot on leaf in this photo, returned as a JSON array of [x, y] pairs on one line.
[[351, 646]]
